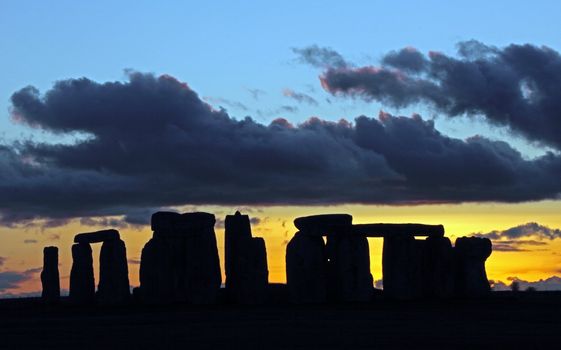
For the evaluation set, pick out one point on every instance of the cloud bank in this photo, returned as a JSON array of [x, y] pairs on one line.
[[153, 142], [517, 86]]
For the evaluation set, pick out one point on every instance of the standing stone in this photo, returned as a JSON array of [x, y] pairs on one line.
[[349, 277], [200, 275], [439, 274], [50, 276], [237, 231], [398, 267], [245, 262], [470, 254], [156, 272], [180, 262], [113, 285], [306, 269], [82, 284]]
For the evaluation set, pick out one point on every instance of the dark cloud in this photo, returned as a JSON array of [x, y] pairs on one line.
[[12, 279], [151, 142], [408, 59], [2, 260], [300, 97], [549, 284], [514, 234], [30, 241], [321, 57], [517, 86]]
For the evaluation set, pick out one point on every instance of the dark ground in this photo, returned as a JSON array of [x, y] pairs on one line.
[[504, 320]]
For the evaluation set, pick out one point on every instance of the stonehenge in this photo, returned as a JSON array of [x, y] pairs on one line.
[[412, 268], [327, 260], [113, 287], [245, 262], [49, 276], [180, 262]]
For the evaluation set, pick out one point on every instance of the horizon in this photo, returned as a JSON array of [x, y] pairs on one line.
[[112, 112]]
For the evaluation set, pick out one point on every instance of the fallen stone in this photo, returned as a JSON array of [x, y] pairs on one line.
[[82, 283], [324, 224], [470, 255], [114, 287], [49, 276], [98, 236], [306, 270]]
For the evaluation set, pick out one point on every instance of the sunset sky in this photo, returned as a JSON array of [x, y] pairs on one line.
[[392, 111]]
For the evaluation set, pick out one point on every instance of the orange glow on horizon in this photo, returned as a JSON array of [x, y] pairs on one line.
[[276, 227]]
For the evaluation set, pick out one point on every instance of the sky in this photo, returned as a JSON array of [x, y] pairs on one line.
[[392, 111]]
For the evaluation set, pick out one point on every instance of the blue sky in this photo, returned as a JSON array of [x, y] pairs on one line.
[[222, 49]]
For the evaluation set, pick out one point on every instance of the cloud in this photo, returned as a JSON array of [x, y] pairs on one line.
[[12, 279], [531, 229], [516, 86], [320, 57], [225, 102], [103, 222], [548, 284], [152, 143], [300, 97], [2, 260], [256, 93], [30, 241], [134, 261]]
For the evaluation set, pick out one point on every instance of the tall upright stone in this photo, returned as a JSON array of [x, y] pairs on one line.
[[82, 283], [398, 267], [306, 269], [114, 287], [439, 260], [245, 262], [348, 264], [180, 262], [201, 277], [49, 276], [470, 255]]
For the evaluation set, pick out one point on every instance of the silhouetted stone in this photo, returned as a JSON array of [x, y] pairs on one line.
[[398, 266], [180, 262], [49, 276], [198, 270], [388, 230], [439, 260], [82, 284], [349, 277], [246, 262], [113, 285], [324, 224], [97, 236], [306, 269], [156, 272], [164, 220], [237, 229], [470, 255]]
